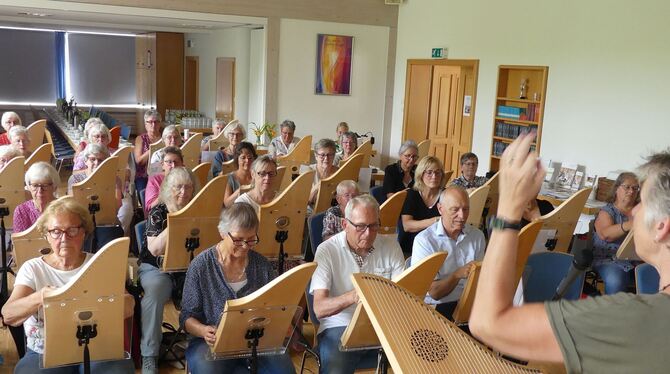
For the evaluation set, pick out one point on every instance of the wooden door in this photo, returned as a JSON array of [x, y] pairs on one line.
[[417, 101], [225, 88], [191, 79], [444, 113]]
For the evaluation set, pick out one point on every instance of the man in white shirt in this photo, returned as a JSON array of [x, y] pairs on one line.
[[464, 243], [357, 249]]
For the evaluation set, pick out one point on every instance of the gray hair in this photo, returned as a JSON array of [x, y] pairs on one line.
[[239, 216], [232, 125], [9, 151], [218, 121], [467, 156], [6, 115], [152, 113], [618, 182], [172, 129], [325, 143], [180, 175], [16, 131], [407, 144], [95, 149], [346, 185], [288, 123], [656, 173], [363, 200], [41, 171], [351, 136], [90, 123], [98, 129]]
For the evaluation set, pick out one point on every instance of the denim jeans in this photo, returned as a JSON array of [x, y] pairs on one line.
[[30, 363], [333, 361], [198, 364], [615, 278]]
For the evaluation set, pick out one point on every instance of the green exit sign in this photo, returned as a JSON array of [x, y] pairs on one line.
[[439, 53]]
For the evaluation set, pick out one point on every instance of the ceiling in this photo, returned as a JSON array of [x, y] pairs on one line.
[[100, 18]]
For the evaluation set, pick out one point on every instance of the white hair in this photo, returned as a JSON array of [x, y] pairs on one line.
[[95, 149], [346, 185], [6, 115], [98, 129], [232, 125], [365, 201], [9, 151], [90, 123], [656, 174], [41, 171], [16, 131]]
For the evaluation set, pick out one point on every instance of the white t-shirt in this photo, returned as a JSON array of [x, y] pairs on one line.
[[245, 198], [37, 274], [336, 264]]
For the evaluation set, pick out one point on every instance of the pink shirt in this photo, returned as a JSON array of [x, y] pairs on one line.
[[152, 191], [25, 215]]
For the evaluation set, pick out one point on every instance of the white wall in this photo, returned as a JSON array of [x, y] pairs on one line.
[[234, 42], [257, 77], [318, 115], [608, 64]]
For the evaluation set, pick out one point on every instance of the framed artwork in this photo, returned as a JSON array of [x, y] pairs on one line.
[[333, 64]]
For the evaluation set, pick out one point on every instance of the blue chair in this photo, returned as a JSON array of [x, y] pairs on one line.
[[378, 193], [646, 279], [140, 196], [544, 272], [140, 229], [315, 227], [125, 131]]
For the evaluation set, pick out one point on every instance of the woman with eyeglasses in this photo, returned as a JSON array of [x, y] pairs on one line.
[[42, 181], [65, 223], [324, 152], [152, 126], [177, 190], [229, 270], [348, 145], [420, 208], [235, 133], [171, 138], [612, 224], [263, 188], [245, 154], [285, 142], [87, 127], [400, 175], [172, 158], [97, 134]]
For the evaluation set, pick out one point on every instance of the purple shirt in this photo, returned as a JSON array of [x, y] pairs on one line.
[[152, 191], [25, 215]]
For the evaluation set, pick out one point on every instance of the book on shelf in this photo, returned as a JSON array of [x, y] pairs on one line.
[[512, 112], [577, 181]]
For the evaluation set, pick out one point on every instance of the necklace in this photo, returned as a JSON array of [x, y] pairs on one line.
[[240, 277], [664, 287]]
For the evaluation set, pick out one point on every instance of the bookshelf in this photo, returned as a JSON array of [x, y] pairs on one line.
[[517, 110]]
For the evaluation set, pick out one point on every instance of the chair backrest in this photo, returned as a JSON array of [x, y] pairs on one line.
[[477, 202], [227, 167], [315, 226], [389, 212], [115, 133], [646, 279], [12, 185], [42, 153], [546, 270], [100, 187], [626, 250], [299, 155], [424, 148], [153, 147], [492, 199], [140, 229], [29, 244], [564, 219], [191, 150], [378, 193], [364, 149], [327, 186], [123, 154], [201, 172], [36, 133], [218, 142]]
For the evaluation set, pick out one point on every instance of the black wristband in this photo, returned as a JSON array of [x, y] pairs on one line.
[[498, 223]]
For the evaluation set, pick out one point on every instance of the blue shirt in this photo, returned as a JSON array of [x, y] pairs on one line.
[[469, 246], [206, 289]]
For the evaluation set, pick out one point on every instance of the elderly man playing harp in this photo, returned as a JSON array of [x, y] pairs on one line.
[[623, 333], [357, 249]]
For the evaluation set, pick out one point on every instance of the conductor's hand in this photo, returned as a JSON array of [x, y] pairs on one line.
[[209, 334], [521, 176]]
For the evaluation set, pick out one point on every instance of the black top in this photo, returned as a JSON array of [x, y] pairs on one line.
[[393, 175], [156, 223], [544, 206], [415, 207]]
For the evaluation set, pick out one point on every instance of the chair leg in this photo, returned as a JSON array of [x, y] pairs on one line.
[[170, 348], [311, 351]]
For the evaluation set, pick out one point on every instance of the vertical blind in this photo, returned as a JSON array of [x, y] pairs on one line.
[[28, 70], [102, 69]]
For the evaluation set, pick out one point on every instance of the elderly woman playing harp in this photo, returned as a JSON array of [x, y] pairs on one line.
[[64, 223], [226, 271]]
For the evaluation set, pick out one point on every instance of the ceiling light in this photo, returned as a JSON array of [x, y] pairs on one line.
[[31, 14]]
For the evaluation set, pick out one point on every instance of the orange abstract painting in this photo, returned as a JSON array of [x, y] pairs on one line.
[[333, 64]]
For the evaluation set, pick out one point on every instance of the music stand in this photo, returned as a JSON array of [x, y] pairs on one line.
[[83, 320], [193, 228], [417, 339], [299, 155], [262, 323], [191, 150], [283, 215], [327, 186]]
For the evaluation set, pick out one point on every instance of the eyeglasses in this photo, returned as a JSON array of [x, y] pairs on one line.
[[431, 173], [70, 232], [95, 159], [234, 134], [240, 242], [99, 136], [184, 187], [270, 174], [43, 186], [410, 157], [361, 227], [630, 188], [171, 162], [470, 163], [323, 156], [153, 122]]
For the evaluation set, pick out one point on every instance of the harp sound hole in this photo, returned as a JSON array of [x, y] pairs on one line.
[[429, 345]]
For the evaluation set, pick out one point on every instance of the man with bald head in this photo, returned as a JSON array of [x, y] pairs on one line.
[[464, 244]]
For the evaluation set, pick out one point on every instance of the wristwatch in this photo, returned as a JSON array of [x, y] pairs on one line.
[[498, 223]]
